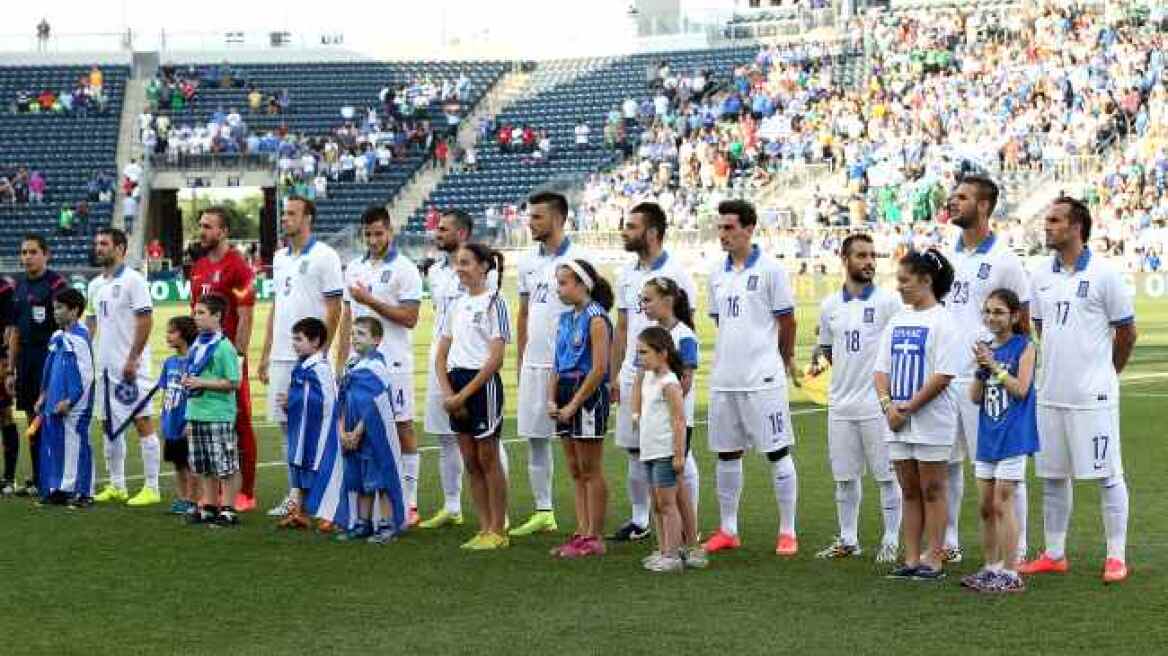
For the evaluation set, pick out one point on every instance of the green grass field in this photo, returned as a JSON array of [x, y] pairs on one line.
[[117, 580]]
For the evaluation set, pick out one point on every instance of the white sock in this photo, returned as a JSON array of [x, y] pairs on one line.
[[728, 475], [890, 506], [115, 461], [692, 482], [539, 470], [786, 492], [1057, 501], [504, 462], [1021, 513], [410, 463], [956, 490], [638, 486], [450, 471], [151, 459], [847, 508], [1115, 511]]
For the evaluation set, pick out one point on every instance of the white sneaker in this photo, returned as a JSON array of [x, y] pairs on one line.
[[666, 564], [695, 558], [888, 553], [650, 558], [283, 508]]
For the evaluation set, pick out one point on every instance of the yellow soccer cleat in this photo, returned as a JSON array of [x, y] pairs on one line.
[[442, 519], [111, 493], [491, 542], [472, 544], [541, 521], [147, 497]]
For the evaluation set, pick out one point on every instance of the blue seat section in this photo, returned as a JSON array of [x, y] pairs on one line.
[[317, 91], [67, 149]]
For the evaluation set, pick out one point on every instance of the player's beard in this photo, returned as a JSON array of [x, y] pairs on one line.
[[635, 245], [962, 221], [207, 247]]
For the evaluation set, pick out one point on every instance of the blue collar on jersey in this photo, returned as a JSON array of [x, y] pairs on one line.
[[755, 253], [118, 271], [307, 246], [1080, 263], [864, 295], [982, 248], [559, 251], [390, 255], [656, 264]]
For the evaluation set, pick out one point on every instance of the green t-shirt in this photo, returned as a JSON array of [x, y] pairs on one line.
[[213, 405]]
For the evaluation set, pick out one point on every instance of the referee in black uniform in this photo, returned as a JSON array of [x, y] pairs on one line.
[[28, 335]]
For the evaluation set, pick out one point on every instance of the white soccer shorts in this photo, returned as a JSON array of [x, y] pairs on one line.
[[402, 384], [532, 416], [437, 421], [1078, 443], [759, 419], [932, 453], [627, 436], [279, 379], [856, 444], [1006, 469], [965, 441], [125, 397]]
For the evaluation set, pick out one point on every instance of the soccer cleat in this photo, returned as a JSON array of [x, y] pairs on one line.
[[720, 541], [360, 531], [179, 507], [926, 573], [888, 553], [109, 493], [541, 521], [383, 535], [441, 519], [903, 573], [695, 558], [244, 503], [412, 517], [951, 555], [293, 520], [146, 497], [630, 532], [665, 564], [1114, 570], [1044, 565], [283, 507], [838, 549], [788, 545], [472, 543], [491, 542]]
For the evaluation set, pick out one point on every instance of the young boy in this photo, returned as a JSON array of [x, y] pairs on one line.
[[66, 406], [180, 334], [311, 409], [369, 440], [211, 376]]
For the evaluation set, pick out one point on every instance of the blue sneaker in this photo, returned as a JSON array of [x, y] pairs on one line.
[[180, 507], [360, 531], [383, 535], [903, 573]]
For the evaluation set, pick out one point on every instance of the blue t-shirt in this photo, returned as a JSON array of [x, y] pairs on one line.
[[174, 398], [1007, 426], [574, 340]]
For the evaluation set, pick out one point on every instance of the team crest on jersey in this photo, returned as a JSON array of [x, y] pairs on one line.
[[304, 267], [478, 317], [1084, 286], [983, 271], [385, 276], [215, 277], [752, 284], [126, 392], [116, 291], [869, 315]]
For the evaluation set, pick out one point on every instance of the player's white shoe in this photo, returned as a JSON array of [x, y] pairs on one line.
[[838, 549], [283, 508], [888, 553]]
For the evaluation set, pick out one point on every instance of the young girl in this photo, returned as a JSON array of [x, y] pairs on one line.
[[918, 358], [181, 332], [1007, 433], [578, 400], [667, 304], [661, 418], [470, 354]]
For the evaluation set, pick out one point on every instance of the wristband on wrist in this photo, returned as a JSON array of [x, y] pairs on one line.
[[885, 403], [1001, 375]]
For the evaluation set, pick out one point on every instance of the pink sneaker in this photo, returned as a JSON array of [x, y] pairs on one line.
[[572, 543], [595, 546], [584, 547]]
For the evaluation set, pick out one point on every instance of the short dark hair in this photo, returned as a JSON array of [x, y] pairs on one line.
[[846, 247], [744, 210], [71, 298], [309, 206], [375, 214], [215, 304], [184, 326], [117, 236], [654, 217], [462, 218], [221, 212], [556, 200], [1077, 212], [986, 189], [313, 329], [38, 238], [372, 323]]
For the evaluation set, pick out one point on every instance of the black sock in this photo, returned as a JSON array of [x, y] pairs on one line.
[[11, 451]]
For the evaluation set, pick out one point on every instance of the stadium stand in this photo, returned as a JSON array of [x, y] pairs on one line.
[[67, 148]]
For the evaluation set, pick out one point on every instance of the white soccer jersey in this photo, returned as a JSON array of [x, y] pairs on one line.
[[747, 303], [537, 282], [977, 272], [1078, 310], [472, 323], [851, 327], [445, 288], [915, 345], [116, 302], [303, 281], [395, 280], [630, 282]]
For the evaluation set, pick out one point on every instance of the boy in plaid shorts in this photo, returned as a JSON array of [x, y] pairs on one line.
[[211, 378]]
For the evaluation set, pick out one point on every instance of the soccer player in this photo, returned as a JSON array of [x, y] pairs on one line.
[[915, 363], [121, 317], [309, 283], [1087, 324], [644, 234], [751, 303], [223, 271], [386, 285], [28, 338], [981, 263], [539, 312], [66, 404], [851, 322]]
